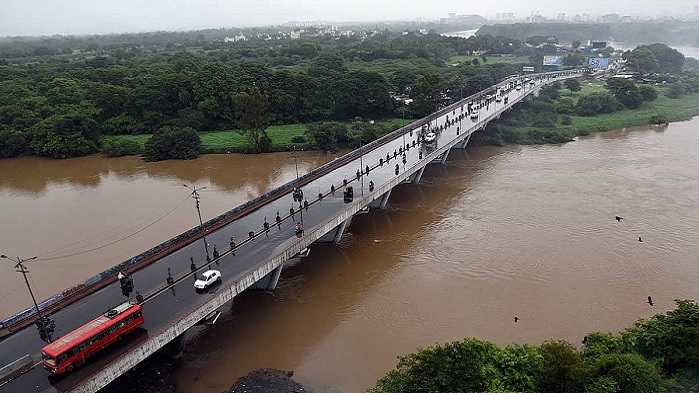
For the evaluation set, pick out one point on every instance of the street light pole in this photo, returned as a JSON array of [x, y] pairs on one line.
[[195, 195], [296, 163], [20, 268]]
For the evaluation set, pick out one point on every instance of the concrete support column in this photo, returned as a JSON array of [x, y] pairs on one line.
[[269, 282], [417, 176], [380, 202], [335, 235], [443, 159]]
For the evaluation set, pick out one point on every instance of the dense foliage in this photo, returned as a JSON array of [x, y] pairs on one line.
[[60, 95], [641, 359]]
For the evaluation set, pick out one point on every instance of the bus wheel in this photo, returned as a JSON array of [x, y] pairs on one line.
[[70, 368]]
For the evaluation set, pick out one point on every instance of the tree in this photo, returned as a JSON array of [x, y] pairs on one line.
[[641, 59], [173, 143], [596, 102], [630, 372], [575, 44], [563, 368], [426, 94], [673, 338], [572, 84], [675, 90], [113, 147], [649, 93], [250, 109], [626, 91], [326, 134]]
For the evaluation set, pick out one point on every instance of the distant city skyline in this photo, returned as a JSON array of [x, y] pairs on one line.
[[46, 17]]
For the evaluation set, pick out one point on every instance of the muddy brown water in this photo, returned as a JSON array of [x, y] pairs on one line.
[[525, 231]]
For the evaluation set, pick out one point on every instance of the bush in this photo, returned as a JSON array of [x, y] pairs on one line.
[[649, 93], [298, 139], [675, 90], [596, 102], [659, 118], [566, 120], [173, 143], [113, 147]]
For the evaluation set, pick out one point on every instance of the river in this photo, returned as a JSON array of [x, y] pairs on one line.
[[525, 231]]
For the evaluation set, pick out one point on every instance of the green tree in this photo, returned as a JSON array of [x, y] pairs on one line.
[[675, 90], [649, 93], [630, 372], [672, 339], [563, 368], [596, 102], [326, 135], [427, 94], [575, 44], [173, 143], [460, 366], [641, 59], [626, 91], [573, 84], [250, 109]]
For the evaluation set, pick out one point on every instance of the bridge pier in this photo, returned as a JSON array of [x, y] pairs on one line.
[[380, 202], [269, 282], [335, 234], [415, 177], [443, 158]]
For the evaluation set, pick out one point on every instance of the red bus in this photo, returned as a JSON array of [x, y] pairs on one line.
[[71, 350]]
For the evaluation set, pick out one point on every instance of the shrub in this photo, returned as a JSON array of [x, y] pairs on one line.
[[675, 90], [113, 147], [649, 93], [566, 120], [173, 143], [298, 139], [659, 118]]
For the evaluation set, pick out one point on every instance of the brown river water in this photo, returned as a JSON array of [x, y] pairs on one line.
[[525, 231]]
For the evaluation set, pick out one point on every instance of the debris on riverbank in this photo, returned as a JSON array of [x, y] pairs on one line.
[[267, 380]]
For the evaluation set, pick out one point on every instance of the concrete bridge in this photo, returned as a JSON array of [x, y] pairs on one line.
[[251, 244]]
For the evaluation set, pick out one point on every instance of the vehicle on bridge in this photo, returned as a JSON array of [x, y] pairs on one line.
[[207, 278], [474, 115], [431, 137], [348, 194], [73, 349]]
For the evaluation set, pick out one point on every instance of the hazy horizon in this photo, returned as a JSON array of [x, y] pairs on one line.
[[77, 17]]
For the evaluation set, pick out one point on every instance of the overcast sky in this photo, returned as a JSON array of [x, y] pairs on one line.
[[47, 17]]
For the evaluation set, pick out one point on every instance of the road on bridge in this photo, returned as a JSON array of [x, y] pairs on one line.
[[166, 304]]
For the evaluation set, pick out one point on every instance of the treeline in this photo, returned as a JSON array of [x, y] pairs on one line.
[[674, 32], [61, 105], [653, 356]]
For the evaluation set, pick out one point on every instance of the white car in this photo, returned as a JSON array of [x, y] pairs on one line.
[[474, 115], [431, 137], [207, 278]]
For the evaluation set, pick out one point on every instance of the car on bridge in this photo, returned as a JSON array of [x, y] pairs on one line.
[[207, 278], [474, 115], [431, 137]]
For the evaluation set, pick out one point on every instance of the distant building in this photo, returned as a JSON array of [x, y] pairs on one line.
[[295, 34]]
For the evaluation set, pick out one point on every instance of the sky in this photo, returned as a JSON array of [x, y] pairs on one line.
[[49, 17]]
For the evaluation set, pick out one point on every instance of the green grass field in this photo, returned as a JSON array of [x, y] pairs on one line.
[[234, 141], [680, 109]]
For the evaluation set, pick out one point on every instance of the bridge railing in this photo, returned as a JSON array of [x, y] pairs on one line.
[[141, 260]]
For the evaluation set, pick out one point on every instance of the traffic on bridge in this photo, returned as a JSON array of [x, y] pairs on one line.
[[246, 248]]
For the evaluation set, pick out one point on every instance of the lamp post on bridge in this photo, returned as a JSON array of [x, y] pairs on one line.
[[20, 268], [296, 164], [195, 195]]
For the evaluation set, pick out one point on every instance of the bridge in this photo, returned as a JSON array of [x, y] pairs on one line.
[[250, 245]]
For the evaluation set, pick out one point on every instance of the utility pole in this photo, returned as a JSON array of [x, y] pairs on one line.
[[20, 268], [195, 195], [296, 163]]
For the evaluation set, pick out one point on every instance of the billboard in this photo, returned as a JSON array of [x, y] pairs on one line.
[[553, 60], [527, 69], [598, 63]]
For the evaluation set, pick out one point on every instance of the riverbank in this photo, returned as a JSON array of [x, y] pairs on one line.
[[568, 127]]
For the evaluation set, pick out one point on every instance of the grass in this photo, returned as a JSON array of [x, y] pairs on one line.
[[680, 109], [234, 141]]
